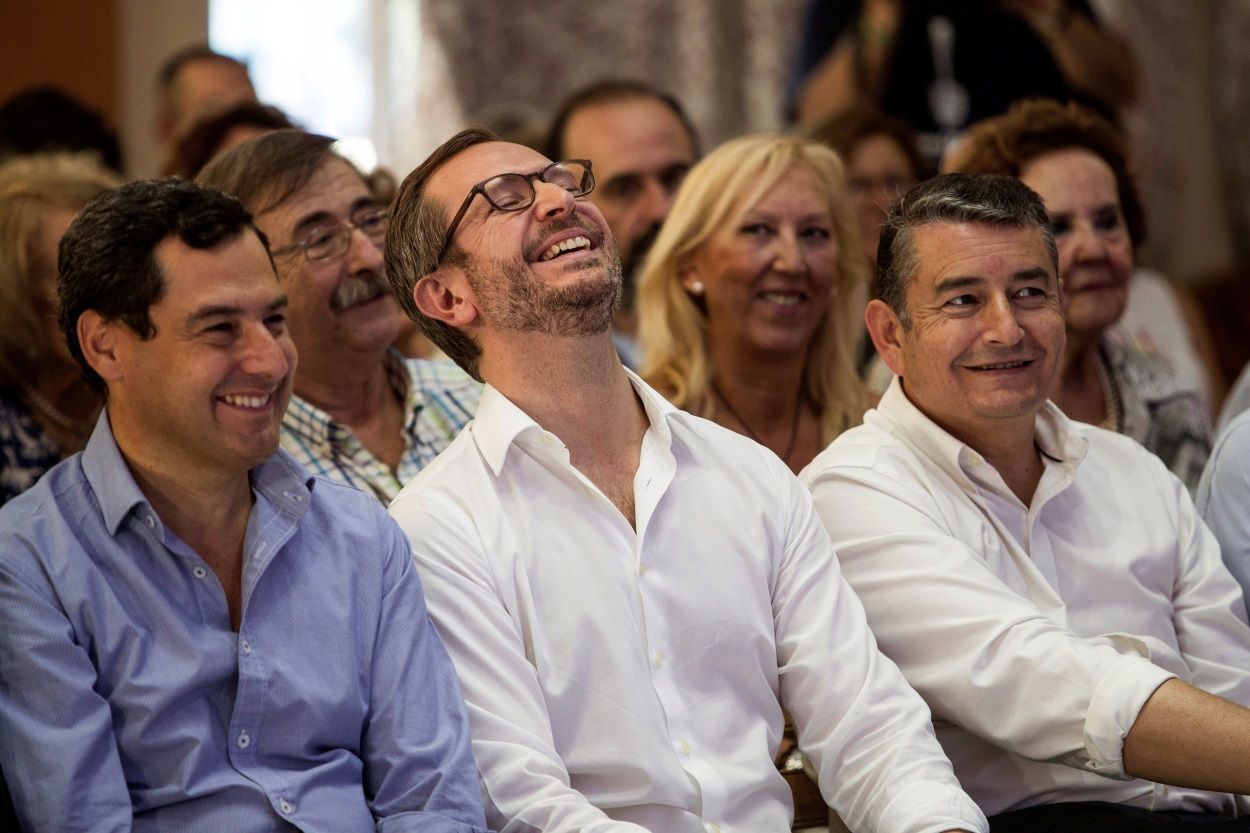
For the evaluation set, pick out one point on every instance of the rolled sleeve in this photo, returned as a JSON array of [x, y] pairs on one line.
[[982, 656], [1118, 698]]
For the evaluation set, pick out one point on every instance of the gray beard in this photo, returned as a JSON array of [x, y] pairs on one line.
[[511, 299]]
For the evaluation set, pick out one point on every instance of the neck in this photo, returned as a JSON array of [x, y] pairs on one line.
[[577, 390], [1008, 445], [206, 509], [351, 395], [1078, 387], [765, 391]]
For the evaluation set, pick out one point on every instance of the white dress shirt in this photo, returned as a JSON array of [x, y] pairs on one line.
[[1036, 633], [620, 680]]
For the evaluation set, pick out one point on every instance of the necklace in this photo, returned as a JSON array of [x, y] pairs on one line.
[[794, 425], [44, 407]]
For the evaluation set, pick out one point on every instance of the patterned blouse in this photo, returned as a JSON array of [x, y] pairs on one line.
[[26, 451]]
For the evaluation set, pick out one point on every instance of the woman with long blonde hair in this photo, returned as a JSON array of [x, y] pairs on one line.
[[751, 298], [47, 411]]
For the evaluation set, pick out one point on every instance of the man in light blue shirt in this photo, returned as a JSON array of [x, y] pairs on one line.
[[195, 634]]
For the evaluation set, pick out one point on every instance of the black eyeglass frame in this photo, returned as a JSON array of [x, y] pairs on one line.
[[588, 180]]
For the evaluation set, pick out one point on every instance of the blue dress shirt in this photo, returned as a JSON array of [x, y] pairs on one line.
[[127, 702]]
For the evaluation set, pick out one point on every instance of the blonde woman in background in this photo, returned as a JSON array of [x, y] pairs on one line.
[[751, 300], [47, 411]]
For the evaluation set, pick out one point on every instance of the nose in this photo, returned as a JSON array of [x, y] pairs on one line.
[[656, 201], [267, 355], [1084, 243], [363, 254], [788, 255], [1001, 326], [551, 201]]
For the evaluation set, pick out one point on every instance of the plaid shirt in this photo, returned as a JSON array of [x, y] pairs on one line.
[[439, 399]]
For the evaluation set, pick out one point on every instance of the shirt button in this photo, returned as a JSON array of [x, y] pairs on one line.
[[150, 521], [244, 740], [247, 647], [286, 807], [658, 659], [199, 572], [685, 749], [642, 571], [715, 827]]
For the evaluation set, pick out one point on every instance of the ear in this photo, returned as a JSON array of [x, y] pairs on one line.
[[445, 296], [690, 276], [887, 334], [97, 337]]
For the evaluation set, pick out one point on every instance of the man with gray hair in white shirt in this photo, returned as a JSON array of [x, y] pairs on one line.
[[1045, 585], [630, 594]]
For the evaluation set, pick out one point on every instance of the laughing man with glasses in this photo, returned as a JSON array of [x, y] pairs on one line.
[[631, 594], [361, 413]]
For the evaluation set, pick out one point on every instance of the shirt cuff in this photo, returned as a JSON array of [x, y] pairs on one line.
[[1118, 699], [933, 807]]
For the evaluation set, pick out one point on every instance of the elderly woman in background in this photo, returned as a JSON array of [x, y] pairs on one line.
[[749, 304], [1078, 163], [46, 410]]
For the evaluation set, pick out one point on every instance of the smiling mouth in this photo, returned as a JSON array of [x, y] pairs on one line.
[[254, 403], [573, 244], [784, 299], [1002, 365]]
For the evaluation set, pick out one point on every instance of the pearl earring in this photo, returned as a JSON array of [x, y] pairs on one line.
[[696, 288]]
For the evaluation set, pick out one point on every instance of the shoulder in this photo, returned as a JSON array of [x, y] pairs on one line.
[[875, 446]]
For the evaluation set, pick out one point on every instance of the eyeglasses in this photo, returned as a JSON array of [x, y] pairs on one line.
[[515, 192], [330, 240]]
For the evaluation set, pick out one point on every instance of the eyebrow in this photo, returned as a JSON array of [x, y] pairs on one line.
[[965, 281], [230, 311]]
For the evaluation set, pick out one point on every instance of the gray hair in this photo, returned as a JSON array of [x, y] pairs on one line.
[[987, 199]]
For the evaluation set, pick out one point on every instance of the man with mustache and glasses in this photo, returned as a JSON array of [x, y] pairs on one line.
[[631, 594], [195, 633], [1045, 585], [361, 413]]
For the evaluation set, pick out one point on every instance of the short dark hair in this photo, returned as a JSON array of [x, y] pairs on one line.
[[1034, 127], [606, 92], [198, 145], [415, 239], [986, 199], [189, 54], [107, 258], [266, 171], [49, 120]]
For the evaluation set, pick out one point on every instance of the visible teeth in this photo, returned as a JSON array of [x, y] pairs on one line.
[[1003, 366], [566, 246], [246, 401], [785, 299]]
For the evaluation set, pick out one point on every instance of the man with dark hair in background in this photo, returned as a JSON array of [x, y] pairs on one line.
[[195, 81], [642, 144], [195, 634]]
